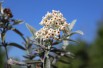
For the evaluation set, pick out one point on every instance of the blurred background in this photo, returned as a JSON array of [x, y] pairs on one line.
[[89, 15]]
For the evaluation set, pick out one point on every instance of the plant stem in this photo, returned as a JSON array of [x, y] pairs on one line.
[[8, 66], [43, 64], [6, 53]]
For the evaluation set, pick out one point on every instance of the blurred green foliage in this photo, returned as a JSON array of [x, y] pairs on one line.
[[87, 55]]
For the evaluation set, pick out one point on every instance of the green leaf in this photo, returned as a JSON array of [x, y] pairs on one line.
[[16, 45], [72, 24], [16, 22], [17, 31], [77, 32], [3, 37], [1, 9], [31, 29]]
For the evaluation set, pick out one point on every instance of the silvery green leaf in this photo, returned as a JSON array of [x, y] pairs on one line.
[[1, 9], [72, 24], [16, 22], [48, 63], [77, 32], [31, 29]]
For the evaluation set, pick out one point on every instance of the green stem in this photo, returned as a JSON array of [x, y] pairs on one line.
[[8, 66], [43, 64], [6, 53]]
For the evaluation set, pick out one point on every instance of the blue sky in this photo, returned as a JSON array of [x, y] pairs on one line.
[[87, 13]]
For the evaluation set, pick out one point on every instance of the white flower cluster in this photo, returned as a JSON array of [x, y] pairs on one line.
[[53, 24]]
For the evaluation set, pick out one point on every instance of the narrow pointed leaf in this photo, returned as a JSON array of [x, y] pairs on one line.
[[16, 22], [72, 24], [16, 45], [31, 29], [71, 40], [77, 32], [1, 9], [17, 31]]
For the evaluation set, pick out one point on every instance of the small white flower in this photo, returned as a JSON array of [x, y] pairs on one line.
[[57, 32], [62, 28]]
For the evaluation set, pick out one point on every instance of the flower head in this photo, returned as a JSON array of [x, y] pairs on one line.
[[53, 23]]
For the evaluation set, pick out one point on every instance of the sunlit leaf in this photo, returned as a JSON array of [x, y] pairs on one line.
[[16, 45], [16, 22], [72, 24], [77, 32], [71, 40], [1, 9], [31, 29]]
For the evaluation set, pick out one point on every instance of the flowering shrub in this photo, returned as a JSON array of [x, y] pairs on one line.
[[55, 30]]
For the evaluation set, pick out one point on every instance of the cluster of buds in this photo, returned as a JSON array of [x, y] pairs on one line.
[[8, 12], [5, 15], [53, 24]]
